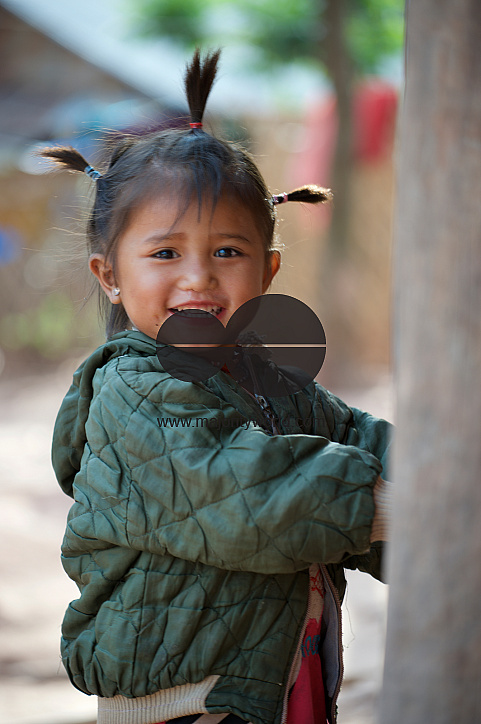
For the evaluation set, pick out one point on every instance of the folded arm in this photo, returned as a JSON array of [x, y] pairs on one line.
[[231, 497]]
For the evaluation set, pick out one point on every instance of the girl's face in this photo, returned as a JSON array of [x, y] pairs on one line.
[[214, 262]]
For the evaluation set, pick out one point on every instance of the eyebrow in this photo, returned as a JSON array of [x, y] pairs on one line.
[[235, 236], [160, 236]]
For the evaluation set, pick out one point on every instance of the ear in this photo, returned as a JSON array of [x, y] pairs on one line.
[[105, 274], [272, 267]]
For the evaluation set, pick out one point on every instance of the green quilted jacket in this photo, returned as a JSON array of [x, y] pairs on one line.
[[194, 525]]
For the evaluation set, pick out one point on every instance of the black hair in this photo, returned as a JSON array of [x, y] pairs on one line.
[[188, 163]]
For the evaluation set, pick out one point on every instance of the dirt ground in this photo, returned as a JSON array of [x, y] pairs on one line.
[[35, 591]]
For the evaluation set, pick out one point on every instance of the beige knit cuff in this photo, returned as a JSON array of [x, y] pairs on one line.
[[165, 704], [383, 492]]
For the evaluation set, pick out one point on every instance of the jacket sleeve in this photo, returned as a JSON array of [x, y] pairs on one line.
[[214, 489], [355, 427]]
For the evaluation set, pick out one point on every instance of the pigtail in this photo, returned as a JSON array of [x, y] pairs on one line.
[[69, 158], [65, 157], [309, 194], [199, 79]]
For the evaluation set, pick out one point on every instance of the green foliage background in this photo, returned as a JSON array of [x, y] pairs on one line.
[[281, 31]]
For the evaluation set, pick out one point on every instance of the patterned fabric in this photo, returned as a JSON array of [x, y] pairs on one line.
[[307, 703]]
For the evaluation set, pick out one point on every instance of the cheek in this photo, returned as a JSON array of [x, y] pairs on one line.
[[143, 281]]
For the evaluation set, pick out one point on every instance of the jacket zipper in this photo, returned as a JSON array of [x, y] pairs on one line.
[[337, 601], [269, 414], [261, 400]]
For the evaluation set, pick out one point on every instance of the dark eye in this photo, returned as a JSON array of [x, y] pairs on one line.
[[226, 252], [165, 254]]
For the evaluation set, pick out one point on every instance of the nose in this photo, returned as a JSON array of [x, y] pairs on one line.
[[197, 274]]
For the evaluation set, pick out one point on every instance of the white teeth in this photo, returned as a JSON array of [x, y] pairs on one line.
[[211, 310]]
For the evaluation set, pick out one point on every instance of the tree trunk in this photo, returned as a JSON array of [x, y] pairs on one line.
[[433, 656]]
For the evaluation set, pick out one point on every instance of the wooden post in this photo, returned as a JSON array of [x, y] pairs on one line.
[[433, 657]]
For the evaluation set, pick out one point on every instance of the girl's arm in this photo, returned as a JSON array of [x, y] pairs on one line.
[[352, 426], [227, 495], [355, 427], [375, 435]]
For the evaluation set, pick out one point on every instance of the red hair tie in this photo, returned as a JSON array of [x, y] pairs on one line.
[[280, 198], [195, 125]]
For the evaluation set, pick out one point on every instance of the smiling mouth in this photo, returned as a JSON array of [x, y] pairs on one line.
[[193, 312]]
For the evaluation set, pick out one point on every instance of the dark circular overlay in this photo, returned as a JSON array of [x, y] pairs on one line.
[[273, 345]]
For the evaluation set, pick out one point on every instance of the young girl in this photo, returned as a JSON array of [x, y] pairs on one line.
[[208, 550]]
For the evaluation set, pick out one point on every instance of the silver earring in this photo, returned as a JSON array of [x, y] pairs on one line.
[[116, 291]]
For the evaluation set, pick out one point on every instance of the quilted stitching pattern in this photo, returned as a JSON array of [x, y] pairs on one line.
[[190, 544]]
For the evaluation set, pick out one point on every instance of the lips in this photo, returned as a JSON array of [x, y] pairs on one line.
[[192, 310], [193, 326]]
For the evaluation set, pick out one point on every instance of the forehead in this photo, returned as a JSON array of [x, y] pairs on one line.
[[167, 213]]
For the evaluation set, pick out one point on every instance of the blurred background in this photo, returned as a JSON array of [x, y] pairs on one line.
[[311, 89]]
